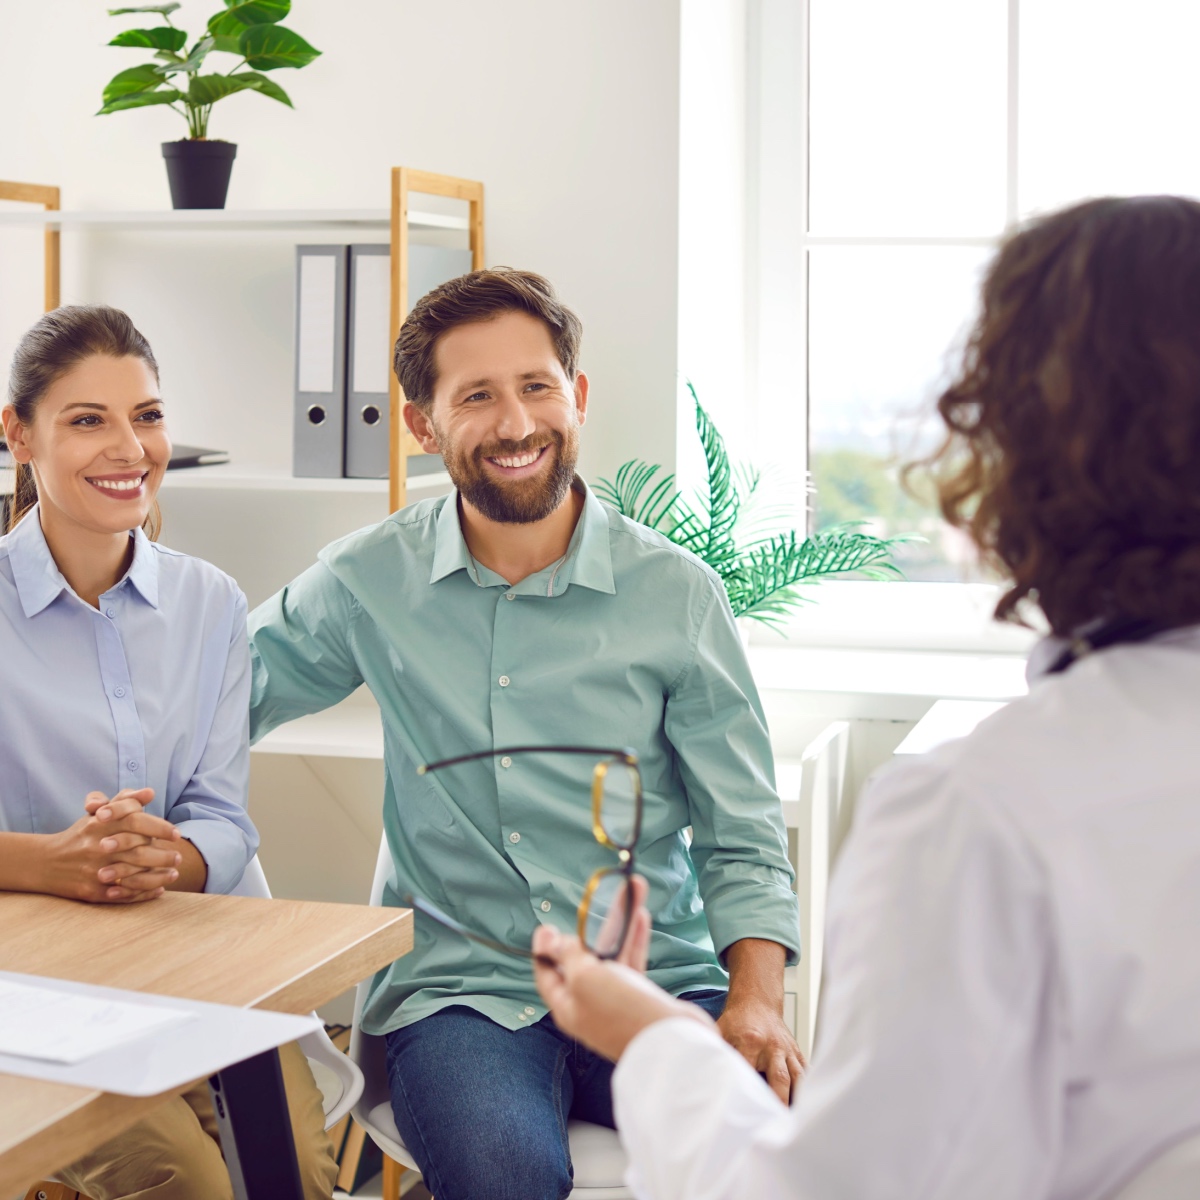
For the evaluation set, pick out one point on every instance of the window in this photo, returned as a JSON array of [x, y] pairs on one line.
[[927, 128]]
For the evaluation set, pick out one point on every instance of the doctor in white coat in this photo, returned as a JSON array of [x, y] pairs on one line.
[[1011, 1005]]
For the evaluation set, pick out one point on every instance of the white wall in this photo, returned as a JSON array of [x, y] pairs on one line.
[[712, 208], [567, 111]]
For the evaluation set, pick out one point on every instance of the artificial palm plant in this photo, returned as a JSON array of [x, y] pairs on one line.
[[763, 568]]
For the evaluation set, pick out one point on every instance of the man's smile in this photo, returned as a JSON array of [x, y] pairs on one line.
[[518, 466]]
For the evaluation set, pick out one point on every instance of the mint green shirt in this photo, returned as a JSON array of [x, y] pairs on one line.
[[627, 642]]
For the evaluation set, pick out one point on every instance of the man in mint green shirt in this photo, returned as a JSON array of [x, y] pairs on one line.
[[521, 611]]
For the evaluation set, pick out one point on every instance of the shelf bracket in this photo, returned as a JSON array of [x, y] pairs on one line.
[[404, 181], [50, 199]]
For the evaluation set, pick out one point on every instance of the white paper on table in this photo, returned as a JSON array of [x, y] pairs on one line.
[[200, 1040], [40, 1022]]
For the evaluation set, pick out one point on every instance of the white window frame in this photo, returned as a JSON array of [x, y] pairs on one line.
[[902, 615]]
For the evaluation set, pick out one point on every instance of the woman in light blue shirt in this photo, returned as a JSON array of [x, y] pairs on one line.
[[124, 665], [124, 694]]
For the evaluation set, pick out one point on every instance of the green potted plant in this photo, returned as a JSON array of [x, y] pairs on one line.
[[762, 566], [198, 168]]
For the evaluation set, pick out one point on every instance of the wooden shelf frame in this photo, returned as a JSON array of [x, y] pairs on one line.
[[406, 180], [402, 218], [50, 198]]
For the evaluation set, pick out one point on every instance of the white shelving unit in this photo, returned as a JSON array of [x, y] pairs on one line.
[[226, 218], [237, 477]]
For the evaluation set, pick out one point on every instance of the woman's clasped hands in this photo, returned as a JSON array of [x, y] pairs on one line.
[[117, 853]]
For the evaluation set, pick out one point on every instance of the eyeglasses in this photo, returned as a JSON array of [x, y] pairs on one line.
[[606, 911]]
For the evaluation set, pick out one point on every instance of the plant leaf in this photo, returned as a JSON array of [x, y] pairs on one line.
[[627, 494], [162, 38], [269, 47], [198, 53], [208, 89], [226, 31], [165, 9], [260, 83], [768, 575], [708, 532], [258, 12], [140, 100], [131, 81]]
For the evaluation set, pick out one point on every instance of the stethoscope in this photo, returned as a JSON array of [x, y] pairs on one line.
[[1099, 635]]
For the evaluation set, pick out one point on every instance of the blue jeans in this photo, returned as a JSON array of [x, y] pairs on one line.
[[483, 1109]]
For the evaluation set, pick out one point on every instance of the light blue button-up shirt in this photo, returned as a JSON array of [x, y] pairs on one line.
[[149, 690], [629, 641]]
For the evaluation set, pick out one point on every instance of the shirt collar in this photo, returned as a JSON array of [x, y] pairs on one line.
[[589, 556], [1048, 650], [38, 580]]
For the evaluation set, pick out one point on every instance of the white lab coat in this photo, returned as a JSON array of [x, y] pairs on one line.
[[1011, 1006]]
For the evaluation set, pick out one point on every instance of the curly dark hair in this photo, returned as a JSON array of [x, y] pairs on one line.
[[1072, 454]]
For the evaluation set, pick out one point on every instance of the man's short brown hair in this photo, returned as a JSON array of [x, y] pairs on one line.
[[479, 296]]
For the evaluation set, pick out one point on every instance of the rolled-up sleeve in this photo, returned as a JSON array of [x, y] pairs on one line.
[[301, 657], [714, 721], [210, 811]]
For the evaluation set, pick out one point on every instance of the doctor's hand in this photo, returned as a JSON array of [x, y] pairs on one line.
[[604, 1005]]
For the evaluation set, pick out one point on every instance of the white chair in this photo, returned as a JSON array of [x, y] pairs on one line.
[[596, 1152], [1174, 1175], [813, 792], [338, 1077]]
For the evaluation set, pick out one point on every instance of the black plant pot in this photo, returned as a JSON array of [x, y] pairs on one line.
[[198, 172]]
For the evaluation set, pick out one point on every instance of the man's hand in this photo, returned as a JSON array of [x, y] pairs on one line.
[[752, 1022], [118, 853]]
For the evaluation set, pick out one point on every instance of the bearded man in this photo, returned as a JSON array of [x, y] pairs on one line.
[[519, 612]]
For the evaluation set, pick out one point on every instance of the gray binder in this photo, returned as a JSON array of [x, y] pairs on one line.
[[369, 360], [318, 424]]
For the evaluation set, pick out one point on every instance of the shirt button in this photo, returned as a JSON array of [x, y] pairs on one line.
[[504, 681], [530, 1011], [522, 1017], [514, 837], [132, 764], [110, 612], [119, 692], [545, 906], [506, 761], [510, 595]]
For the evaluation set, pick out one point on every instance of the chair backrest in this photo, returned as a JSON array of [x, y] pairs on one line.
[[819, 833], [367, 1049], [253, 881], [1174, 1175]]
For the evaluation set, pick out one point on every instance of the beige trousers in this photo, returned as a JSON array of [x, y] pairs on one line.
[[173, 1153]]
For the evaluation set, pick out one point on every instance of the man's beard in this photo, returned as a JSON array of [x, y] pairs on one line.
[[517, 501]]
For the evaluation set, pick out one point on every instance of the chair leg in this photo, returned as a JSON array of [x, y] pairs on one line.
[[392, 1171], [52, 1191]]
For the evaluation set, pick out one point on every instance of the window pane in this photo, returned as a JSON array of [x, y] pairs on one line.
[[883, 325], [1109, 94], [907, 117]]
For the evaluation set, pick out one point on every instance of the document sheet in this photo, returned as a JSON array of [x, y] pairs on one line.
[[55, 1026]]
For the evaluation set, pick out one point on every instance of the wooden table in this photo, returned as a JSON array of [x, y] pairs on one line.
[[283, 955]]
